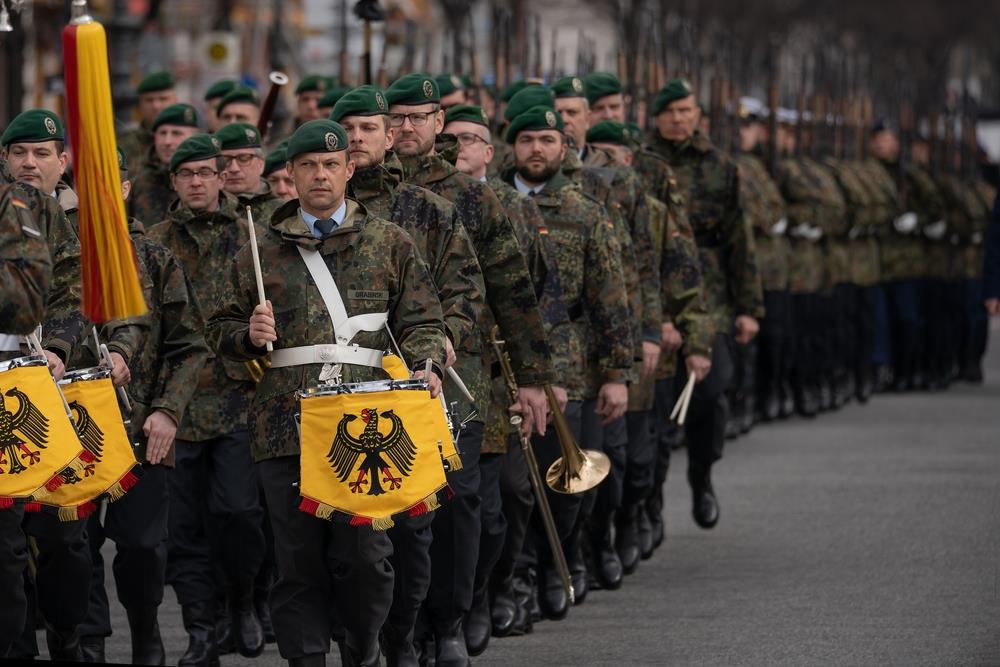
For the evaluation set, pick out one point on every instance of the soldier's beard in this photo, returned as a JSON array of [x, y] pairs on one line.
[[533, 174]]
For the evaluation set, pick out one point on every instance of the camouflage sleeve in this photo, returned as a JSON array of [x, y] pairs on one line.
[[926, 199], [510, 295], [181, 349], [227, 329], [682, 291], [65, 326], [607, 304], [125, 336], [459, 283], [416, 321], [558, 327], [746, 290], [25, 266], [648, 268]]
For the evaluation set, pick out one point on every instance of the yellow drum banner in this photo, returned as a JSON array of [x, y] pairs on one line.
[[37, 440], [109, 464], [372, 455]]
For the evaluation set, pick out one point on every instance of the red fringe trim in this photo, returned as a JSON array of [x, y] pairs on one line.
[[129, 480], [360, 521], [87, 456], [418, 509], [54, 483], [308, 505], [6, 502], [32, 507], [86, 509]]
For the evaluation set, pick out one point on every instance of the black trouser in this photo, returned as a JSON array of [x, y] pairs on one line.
[[808, 344], [956, 316], [518, 503], [61, 581], [742, 386], [326, 571], [845, 329], [705, 427], [455, 529], [906, 326], [665, 398], [934, 306], [13, 564], [491, 517], [215, 518], [137, 524], [612, 439], [565, 507], [826, 328], [641, 457], [864, 316], [774, 346], [976, 328]]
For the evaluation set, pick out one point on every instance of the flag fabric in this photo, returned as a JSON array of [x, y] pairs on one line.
[[109, 465], [37, 440], [367, 457], [109, 270]]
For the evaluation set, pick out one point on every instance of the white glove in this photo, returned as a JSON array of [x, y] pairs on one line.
[[801, 230], [906, 223], [815, 233], [936, 230], [778, 228], [977, 238]]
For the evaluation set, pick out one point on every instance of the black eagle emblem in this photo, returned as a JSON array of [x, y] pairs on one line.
[[87, 429], [19, 431], [371, 444]]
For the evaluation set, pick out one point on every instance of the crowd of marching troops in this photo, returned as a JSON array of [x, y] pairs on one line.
[[615, 263]]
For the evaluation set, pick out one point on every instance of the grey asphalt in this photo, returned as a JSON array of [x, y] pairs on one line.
[[870, 536]]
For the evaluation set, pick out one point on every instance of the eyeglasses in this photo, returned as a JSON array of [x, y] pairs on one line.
[[187, 174], [243, 159], [469, 139], [416, 119]]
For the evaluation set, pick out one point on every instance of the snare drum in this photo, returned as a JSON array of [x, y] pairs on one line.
[[37, 439], [371, 450]]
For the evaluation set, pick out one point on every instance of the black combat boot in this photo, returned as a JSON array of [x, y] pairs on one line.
[[627, 537], [524, 597], [449, 645], [248, 635], [224, 641], [654, 510], [607, 564], [644, 528], [477, 622], [64, 644], [199, 622], [705, 506], [92, 648], [314, 660], [503, 606], [552, 598], [147, 645], [399, 650]]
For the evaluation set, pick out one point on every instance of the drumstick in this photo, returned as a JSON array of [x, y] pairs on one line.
[[683, 398], [453, 374], [687, 400], [256, 267]]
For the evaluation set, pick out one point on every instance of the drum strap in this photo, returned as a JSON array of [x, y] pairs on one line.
[[344, 327], [326, 354]]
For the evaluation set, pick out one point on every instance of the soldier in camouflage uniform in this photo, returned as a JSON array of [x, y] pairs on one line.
[[214, 95], [444, 245], [244, 156], [156, 93], [215, 517], [324, 567], [151, 190], [164, 370], [765, 211], [277, 176], [710, 186], [26, 265], [588, 263], [415, 113], [33, 146]]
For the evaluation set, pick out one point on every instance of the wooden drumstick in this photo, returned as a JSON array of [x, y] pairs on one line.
[[689, 389], [256, 267]]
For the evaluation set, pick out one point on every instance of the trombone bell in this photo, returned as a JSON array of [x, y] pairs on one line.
[[584, 474]]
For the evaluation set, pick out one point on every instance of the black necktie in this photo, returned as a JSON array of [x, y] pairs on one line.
[[326, 226]]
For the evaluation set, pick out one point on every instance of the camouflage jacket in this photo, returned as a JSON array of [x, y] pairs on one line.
[[512, 302], [863, 218], [25, 264], [262, 203], [65, 326], [587, 259], [709, 183], [968, 217], [376, 267], [903, 253], [204, 244], [445, 246], [152, 193], [136, 143], [765, 210]]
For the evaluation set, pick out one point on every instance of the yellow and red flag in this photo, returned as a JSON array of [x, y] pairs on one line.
[[109, 269]]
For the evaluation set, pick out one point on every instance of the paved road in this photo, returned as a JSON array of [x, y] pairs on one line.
[[870, 536]]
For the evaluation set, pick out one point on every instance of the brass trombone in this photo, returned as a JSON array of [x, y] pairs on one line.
[[577, 470]]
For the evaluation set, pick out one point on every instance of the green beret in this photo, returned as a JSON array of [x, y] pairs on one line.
[[601, 84], [516, 87], [33, 126], [184, 115], [122, 162], [155, 82], [448, 84], [413, 89], [467, 113], [361, 101], [332, 96], [540, 117], [676, 89], [610, 132], [317, 136], [276, 159], [196, 147], [312, 83], [239, 94], [219, 89], [238, 135], [532, 96], [569, 86]]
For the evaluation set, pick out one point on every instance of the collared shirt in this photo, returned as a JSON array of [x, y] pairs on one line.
[[310, 219], [526, 189]]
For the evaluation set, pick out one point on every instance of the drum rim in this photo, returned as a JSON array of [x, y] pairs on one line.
[[23, 362], [370, 387], [85, 374]]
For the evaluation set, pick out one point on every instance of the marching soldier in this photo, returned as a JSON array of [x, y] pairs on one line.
[[308, 98], [329, 99], [213, 96], [244, 158], [239, 105], [277, 176], [215, 516], [151, 192], [414, 109], [156, 92], [164, 371], [452, 90], [710, 186], [444, 244], [26, 265], [320, 562]]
